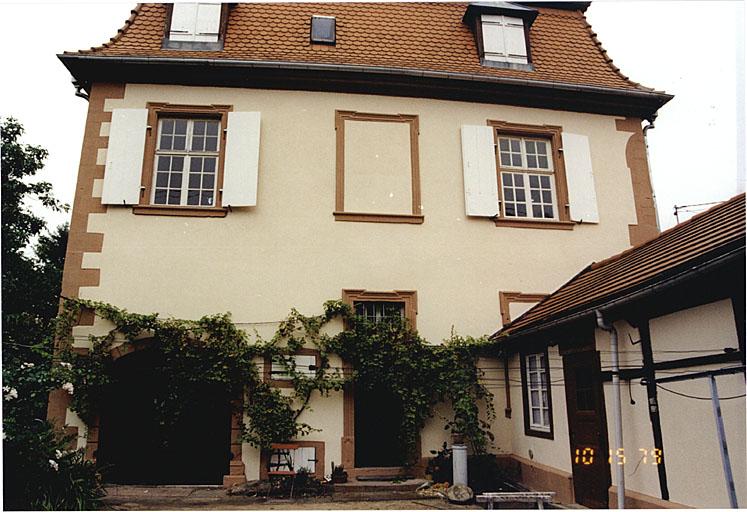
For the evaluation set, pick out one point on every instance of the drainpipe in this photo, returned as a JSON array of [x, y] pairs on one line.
[[650, 126], [616, 407]]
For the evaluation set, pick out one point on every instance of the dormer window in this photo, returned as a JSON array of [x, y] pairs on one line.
[[502, 33], [323, 30], [503, 39], [195, 26]]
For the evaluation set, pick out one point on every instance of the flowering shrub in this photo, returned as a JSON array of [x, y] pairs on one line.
[[40, 472]]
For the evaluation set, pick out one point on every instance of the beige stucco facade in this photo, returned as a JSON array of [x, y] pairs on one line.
[[289, 251]]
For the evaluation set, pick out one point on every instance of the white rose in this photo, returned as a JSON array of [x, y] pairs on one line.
[[54, 465], [58, 454], [66, 365], [68, 386], [11, 394], [26, 365]]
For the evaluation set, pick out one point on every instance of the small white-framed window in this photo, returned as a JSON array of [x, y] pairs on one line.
[[186, 162], [537, 393], [195, 22], [503, 39], [305, 365], [527, 178]]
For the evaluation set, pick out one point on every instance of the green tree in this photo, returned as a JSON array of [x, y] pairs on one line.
[[41, 473]]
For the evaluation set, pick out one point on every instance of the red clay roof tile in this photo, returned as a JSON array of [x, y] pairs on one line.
[[417, 36]]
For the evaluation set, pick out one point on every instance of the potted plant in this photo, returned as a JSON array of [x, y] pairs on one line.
[[339, 475]]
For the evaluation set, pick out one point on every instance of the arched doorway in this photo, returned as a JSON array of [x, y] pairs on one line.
[[135, 449]]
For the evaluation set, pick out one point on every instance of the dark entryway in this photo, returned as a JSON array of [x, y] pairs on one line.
[[378, 414], [587, 425], [136, 449]]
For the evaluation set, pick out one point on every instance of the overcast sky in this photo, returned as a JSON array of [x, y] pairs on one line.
[[693, 49]]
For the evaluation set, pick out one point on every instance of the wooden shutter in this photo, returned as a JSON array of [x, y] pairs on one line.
[[480, 175], [183, 21], [241, 168], [492, 35], [208, 22], [305, 457], [124, 156], [582, 195], [516, 46]]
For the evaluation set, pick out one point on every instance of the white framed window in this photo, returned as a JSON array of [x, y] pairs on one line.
[[537, 393], [186, 162], [195, 22], [527, 178], [503, 39], [305, 365]]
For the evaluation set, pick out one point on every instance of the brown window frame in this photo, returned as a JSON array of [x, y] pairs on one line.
[[505, 300], [528, 430], [554, 135], [156, 111], [264, 458], [416, 217], [408, 297], [285, 383]]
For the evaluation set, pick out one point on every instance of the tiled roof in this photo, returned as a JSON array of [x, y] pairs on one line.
[[673, 250], [415, 36]]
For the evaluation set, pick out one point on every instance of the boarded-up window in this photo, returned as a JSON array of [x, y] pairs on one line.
[[377, 168]]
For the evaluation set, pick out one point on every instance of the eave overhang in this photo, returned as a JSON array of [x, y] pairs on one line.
[[87, 69]]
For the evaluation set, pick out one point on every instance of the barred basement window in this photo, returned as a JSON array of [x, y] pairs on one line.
[[380, 311], [186, 162]]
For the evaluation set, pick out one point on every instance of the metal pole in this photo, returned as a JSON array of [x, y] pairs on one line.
[[722, 443]]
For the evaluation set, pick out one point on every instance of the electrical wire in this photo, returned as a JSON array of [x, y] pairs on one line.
[[698, 397]]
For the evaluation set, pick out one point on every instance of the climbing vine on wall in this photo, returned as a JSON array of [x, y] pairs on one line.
[[212, 353]]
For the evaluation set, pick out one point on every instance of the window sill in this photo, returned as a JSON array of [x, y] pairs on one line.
[[391, 218], [536, 224], [179, 211], [538, 433]]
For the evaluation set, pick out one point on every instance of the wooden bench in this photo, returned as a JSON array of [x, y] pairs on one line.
[[540, 498]]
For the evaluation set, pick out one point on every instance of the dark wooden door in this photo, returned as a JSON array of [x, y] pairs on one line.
[[587, 425], [378, 415], [134, 448]]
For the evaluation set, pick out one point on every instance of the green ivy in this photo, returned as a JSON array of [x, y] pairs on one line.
[[212, 353]]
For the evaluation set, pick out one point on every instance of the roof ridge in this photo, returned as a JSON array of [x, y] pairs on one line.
[[666, 232]]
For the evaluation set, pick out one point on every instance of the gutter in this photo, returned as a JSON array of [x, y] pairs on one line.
[[72, 61], [589, 312]]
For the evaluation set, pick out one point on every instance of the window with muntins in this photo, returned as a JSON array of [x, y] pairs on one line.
[[535, 382], [380, 311], [186, 162], [527, 178]]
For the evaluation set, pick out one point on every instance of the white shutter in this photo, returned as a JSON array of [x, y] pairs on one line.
[[582, 195], [492, 39], [183, 21], [241, 169], [124, 156], [480, 175], [515, 40], [305, 457], [208, 22]]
